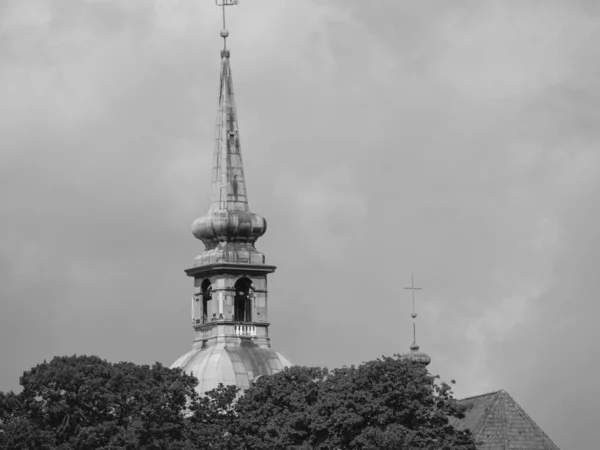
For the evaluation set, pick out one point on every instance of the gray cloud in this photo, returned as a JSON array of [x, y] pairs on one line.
[[456, 141]]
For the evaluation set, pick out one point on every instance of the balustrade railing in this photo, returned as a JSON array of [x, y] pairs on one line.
[[244, 330], [239, 329]]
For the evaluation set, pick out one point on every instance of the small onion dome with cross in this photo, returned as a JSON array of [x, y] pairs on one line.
[[416, 356]]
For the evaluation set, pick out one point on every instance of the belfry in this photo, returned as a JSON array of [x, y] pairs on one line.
[[229, 307]]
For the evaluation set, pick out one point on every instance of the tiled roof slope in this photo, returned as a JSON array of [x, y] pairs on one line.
[[499, 423]]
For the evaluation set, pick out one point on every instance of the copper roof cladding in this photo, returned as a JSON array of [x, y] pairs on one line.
[[416, 356], [229, 229], [228, 182], [238, 364], [499, 423]]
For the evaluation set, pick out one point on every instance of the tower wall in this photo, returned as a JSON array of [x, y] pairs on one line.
[[221, 305]]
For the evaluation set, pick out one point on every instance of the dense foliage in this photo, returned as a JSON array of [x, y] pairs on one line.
[[87, 403], [383, 404]]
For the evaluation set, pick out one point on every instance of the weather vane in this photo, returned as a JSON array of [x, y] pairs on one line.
[[224, 31]]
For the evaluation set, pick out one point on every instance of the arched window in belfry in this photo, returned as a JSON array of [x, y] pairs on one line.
[[206, 300], [244, 293]]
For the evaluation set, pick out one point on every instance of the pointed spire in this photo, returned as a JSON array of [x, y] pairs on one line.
[[228, 230], [228, 181]]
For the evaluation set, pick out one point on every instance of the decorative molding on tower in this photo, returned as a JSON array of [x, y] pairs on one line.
[[238, 269]]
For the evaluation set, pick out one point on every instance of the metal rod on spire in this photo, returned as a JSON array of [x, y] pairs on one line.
[[415, 354], [224, 28], [413, 288], [224, 31], [414, 314]]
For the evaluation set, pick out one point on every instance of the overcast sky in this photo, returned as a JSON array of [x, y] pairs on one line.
[[454, 140]]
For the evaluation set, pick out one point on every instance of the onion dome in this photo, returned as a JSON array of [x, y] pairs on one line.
[[416, 356], [229, 229]]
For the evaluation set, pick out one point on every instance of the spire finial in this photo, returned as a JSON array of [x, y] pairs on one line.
[[225, 31], [413, 289], [414, 348]]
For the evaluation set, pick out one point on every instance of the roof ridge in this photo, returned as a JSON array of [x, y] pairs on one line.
[[502, 401], [487, 413], [528, 419], [481, 395]]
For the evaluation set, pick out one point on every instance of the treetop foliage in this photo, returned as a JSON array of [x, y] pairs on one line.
[[84, 402]]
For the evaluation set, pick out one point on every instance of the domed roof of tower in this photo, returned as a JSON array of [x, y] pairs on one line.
[[416, 356], [239, 365]]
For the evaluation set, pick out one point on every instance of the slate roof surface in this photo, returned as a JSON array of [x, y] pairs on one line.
[[499, 423]]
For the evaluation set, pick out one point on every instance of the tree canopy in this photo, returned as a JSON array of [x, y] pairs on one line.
[[84, 402], [388, 403]]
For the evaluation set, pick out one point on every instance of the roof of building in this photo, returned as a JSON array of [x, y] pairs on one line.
[[228, 181], [497, 422], [229, 229], [416, 356], [231, 364]]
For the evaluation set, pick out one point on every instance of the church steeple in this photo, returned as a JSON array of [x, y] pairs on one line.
[[415, 354], [229, 307], [228, 230], [229, 187]]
